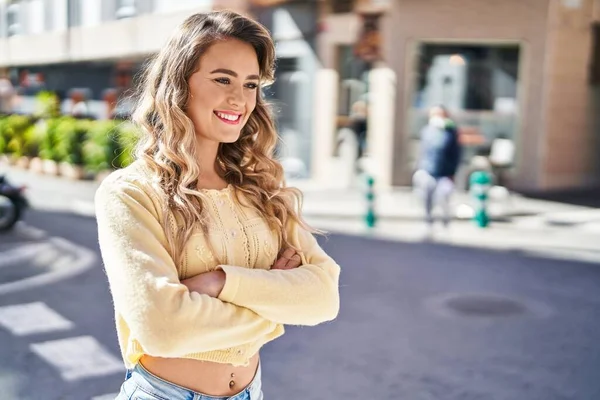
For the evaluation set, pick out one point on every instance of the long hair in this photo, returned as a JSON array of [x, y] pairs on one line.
[[168, 144]]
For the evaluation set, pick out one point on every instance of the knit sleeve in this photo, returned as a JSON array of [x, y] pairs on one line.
[[307, 295], [163, 315]]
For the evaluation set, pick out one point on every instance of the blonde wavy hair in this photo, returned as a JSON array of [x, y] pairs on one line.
[[168, 143]]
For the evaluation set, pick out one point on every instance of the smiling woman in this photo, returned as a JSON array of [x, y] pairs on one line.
[[205, 250], [223, 98]]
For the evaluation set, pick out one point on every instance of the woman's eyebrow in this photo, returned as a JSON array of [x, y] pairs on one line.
[[232, 73]]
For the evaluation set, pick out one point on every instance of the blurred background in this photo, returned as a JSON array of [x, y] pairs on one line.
[[502, 303]]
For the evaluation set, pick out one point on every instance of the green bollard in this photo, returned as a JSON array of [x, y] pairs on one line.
[[370, 216], [480, 183]]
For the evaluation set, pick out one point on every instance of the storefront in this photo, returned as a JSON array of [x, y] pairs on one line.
[[515, 70]]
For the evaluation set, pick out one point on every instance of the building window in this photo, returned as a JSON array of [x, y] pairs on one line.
[[49, 15], [353, 79], [467, 77], [477, 83], [342, 6], [126, 9], [12, 19], [74, 13]]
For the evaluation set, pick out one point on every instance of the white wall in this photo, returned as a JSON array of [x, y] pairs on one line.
[[59, 18], [179, 5], [131, 37], [91, 12], [34, 10]]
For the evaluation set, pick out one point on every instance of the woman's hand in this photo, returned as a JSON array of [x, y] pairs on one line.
[[288, 259], [209, 283], [212, 283]]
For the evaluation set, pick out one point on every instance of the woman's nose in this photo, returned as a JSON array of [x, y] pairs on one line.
[[236, 97]]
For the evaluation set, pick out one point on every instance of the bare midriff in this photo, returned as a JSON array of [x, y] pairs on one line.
[[206, 377]]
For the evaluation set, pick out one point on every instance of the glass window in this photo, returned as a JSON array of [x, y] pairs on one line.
[[126, 9], [74, 13], [342, 6], [466, 77], [49, 15], [353, 78], [12, 19], [477, 83]]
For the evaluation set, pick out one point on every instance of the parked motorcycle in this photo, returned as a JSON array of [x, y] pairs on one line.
[[12, 204]]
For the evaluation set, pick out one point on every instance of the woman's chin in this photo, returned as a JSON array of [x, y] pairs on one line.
[[229, 137]]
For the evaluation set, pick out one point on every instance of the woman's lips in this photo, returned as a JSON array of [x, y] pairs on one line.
[[229, 118]]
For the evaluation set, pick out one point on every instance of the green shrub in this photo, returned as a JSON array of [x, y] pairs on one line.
[[101, 146], [128, 137], [70, 138], [49, 139], [13, 131], [97, 145], [3, 137], [47, 105]]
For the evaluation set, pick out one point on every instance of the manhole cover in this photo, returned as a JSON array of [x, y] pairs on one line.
[[484, 306]]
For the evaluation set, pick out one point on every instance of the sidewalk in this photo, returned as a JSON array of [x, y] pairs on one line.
[[518, 223]]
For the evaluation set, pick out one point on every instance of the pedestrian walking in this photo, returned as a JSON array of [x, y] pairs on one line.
[[438, 161], [358, 123], [204, 246]]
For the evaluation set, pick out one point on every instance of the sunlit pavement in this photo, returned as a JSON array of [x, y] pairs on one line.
[[464, 313]]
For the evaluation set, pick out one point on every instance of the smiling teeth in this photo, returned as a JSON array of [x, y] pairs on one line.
[[228, 117]]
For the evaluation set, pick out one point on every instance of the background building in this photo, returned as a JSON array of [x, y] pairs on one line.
[[526, 70], [91, 51], [84, 49]]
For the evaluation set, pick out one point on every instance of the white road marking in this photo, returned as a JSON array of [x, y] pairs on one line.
[[110, 396], [74, 261], [31, 318], [22, 253], [78, 358], [29, 232]]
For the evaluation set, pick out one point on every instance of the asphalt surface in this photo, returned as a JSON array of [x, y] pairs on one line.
[[418, 321]]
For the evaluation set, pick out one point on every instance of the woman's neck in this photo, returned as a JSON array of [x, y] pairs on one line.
[[207, 159]]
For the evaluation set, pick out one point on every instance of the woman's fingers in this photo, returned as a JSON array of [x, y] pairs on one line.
[[288, 253], [287, 260], [294, 262]]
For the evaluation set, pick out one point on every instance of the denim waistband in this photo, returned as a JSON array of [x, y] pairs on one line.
[[161, 388]]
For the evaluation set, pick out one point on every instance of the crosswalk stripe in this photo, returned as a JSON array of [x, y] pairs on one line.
[[110, 396], [66, 254], [79, 357], [32, 318], [23, 253]]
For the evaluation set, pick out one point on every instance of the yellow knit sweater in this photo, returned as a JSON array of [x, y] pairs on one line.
[[157, 315]]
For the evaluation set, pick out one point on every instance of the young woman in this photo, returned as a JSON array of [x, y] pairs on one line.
[[204, 247]]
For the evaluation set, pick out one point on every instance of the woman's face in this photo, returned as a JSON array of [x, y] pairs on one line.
[[223, 91]]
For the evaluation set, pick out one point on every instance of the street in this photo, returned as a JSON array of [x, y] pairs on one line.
[[418, 321]]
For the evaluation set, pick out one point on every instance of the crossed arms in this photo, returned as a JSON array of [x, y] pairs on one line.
[[228, 307]]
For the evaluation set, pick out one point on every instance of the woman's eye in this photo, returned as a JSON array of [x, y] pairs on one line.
[[252, 86], [224, 81]]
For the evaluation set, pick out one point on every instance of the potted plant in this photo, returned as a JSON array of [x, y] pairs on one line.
[[71, 134], [101, 147], [48, 145], [127, 138], [14, 129]]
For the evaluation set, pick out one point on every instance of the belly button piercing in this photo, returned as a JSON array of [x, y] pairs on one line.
[[232, 382]]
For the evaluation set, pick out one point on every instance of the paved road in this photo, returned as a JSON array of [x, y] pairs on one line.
[[418, 321]]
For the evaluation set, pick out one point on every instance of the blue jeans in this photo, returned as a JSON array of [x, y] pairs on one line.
[[142, 385], [434, 190]]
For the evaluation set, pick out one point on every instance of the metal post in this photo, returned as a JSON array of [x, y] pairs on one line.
[[370, 216]]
